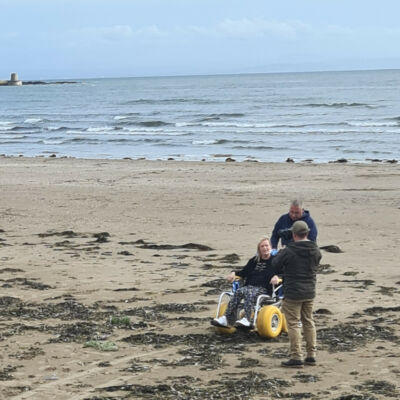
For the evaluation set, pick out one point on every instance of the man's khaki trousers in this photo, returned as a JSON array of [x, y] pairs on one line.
[[295, 311]]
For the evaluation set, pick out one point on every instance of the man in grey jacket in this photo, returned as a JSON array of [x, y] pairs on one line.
[[298, 264]]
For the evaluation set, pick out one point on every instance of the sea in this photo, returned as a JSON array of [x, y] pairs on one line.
[[315, 116]]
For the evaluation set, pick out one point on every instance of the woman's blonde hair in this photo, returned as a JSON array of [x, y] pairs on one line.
[[258, 256]]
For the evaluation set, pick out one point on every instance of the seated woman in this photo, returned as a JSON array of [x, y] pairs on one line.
[[257, 275]]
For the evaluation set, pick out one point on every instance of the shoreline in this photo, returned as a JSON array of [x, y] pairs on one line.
[[227, 159], [86, 242]]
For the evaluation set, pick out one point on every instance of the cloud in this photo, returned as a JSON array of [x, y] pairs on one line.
[[118, 32], [9, 36], [112, 33], [151, 31], [242, 29], [249, 29], [338, 30], [259, 28]]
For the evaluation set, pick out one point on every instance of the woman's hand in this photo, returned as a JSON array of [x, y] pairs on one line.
[[275, 280], [231, 277]]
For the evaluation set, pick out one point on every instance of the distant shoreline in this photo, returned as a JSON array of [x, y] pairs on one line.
[[24, 83], [48, 82]]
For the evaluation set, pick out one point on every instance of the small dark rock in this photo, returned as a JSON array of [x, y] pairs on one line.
[[325, 269], [323, 311], [104, 364], [101, 237], [125, 253], [331, 249]]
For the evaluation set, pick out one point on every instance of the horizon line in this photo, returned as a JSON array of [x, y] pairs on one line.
[[217, 74]]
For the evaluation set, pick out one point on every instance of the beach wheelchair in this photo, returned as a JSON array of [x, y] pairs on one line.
[[267, 318]]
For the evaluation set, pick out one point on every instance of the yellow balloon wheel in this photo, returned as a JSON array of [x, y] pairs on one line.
[[284, 323], [269, 321], [225, 331]]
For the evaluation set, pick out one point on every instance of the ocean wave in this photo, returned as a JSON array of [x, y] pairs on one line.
[[249, 125], [216, 117], [121, 140], [217, 141], [262, 147], [338, 105], [151, 123], [359, 151], [56, 128], [82, 140], [52, 142], [238, 125], [100, 129], [14, 137], [10, 141], [205, 142], [6, 128], [260, 125], [125, 116], [321, 126], [371, 124], [160, 132], [22, 129], [394, 119], [6, 123], [170, 101], [75, 131], [183, 124], [155, 123], [33, 120]]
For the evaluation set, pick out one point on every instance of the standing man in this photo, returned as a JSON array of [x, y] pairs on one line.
[[296, 213], [298, 263]]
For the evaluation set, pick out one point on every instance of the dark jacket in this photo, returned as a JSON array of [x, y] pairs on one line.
[[258, 273], [298, 264], [285, 222]]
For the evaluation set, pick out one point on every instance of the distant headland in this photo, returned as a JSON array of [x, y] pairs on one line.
[[14, 81]]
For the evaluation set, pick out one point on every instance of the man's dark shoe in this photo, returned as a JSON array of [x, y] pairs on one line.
[[310, 361], [292, 364]]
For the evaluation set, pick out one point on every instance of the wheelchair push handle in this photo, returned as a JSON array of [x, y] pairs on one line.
[[277, 290]]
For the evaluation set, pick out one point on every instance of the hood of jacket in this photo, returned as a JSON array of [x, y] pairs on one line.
[[304, 248], [305, 216]]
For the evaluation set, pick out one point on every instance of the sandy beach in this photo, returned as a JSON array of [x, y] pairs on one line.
[[131, 255]]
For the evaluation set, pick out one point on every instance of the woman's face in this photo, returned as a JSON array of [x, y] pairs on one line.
[[264, 249]]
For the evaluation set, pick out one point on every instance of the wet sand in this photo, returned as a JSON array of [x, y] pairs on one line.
[[111, 270]]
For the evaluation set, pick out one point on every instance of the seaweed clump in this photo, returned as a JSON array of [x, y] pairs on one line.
[[347, 337], [379, 387], [234, 388]]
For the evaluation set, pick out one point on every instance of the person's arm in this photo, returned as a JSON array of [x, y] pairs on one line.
[[312, 235], [245, 271], [275, 237], [278, 262]]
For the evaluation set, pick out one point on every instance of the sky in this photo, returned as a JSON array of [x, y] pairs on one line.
[[67, 39]]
